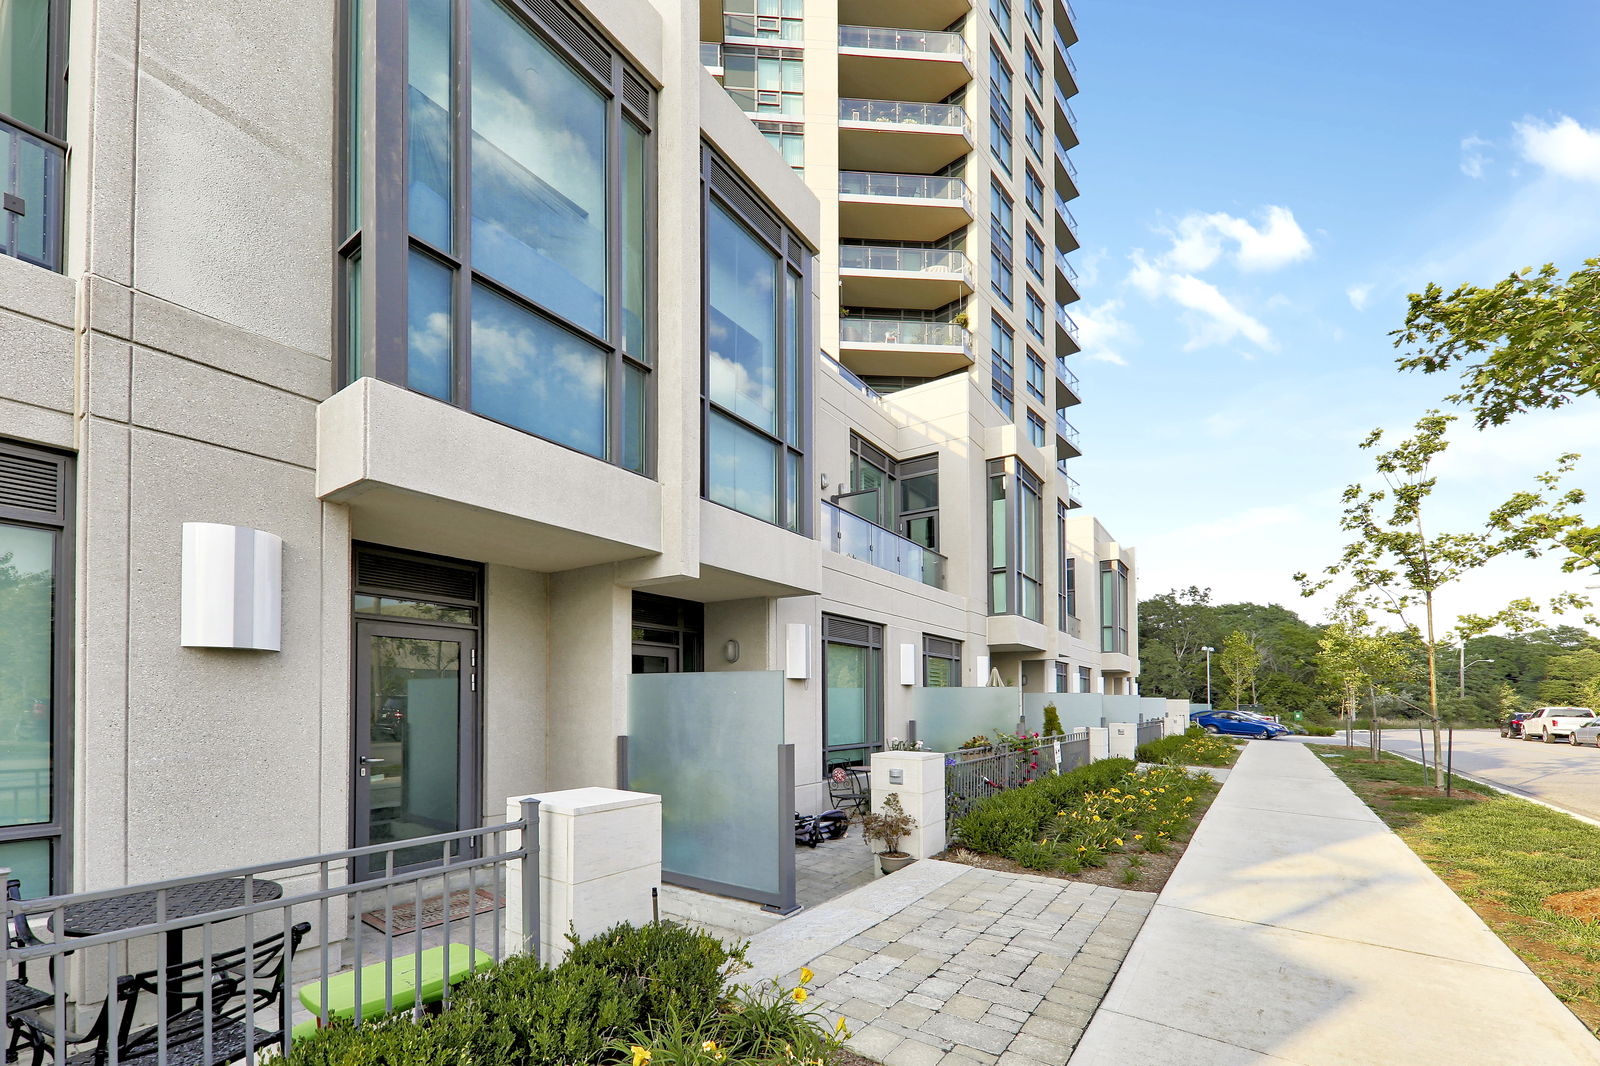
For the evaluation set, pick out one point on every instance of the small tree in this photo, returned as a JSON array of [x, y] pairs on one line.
[[1052, 721], [1395, 565], [1356, 660], [1239, 663]]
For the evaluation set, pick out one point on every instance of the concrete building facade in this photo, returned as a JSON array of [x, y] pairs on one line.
[[513, 327]]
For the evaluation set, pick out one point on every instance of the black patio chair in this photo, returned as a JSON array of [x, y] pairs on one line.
[[20, 995], [232, 1012], [853, 793]]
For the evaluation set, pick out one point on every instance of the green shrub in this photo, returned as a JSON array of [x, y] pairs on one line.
[[1194, 748], [762, 1027], [523, 1014], [1321, 731], [1052, 721], [1005, 818]]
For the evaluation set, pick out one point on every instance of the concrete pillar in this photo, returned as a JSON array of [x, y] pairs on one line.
[[921, 791], [1123, 740], [599, 857], [1099, 743]]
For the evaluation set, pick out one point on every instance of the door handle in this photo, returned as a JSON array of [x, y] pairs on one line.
[[367, 760]]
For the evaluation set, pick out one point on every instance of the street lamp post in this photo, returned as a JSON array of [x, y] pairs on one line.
[[1461, 682], [1208, 649]]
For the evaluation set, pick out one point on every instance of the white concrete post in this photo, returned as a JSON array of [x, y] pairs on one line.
[[599, 857], [1099, 743], [921, 791], [1123, 740]]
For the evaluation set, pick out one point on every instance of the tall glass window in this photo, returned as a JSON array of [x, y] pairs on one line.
[[764, 81], [1113, 606], [1000, 11], [1035, 430], [515, 252], [1034, 253], [1000, 138], [756, 369], [1066, 574], [1033, 131], [1002, 345], [1015, 539], [763, 19], [852, 698], [1036, 24], [1033, 71], [941, 662], [1000, 82], [35, 634], [32, 125], [1035, 316], [789, 140], [1035, 376], [1033, 191]]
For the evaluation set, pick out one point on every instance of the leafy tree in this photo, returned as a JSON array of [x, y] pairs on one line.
[[1239, 663], [1395, 565], [1569, 679], [1174, 627]]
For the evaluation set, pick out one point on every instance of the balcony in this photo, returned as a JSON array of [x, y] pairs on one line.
[[711, 57], [1071, 493], [1066, 332], [909, 347], [885, 134], [913, 14], [850, 379], [1069, 393], [921, 278], [33, 182], [1068, 17], [1066, 227], [854, 536], [1066, 281], [1066, 438], [882, 61], [766, 30], [903, 207], [1066, 120]]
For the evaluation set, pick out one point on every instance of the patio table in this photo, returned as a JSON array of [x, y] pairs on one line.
[[183, 901]]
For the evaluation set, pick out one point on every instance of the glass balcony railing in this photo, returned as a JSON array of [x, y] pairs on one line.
[[1067, 376], [1066, 322], [903, 113], [854, 536], [1065, 53], [711, 55], [902, 186], [1064, 159], [850, 378], [912, 332], [33, 184], [889, 39], [1066, 430], [1066, 268], [909, 260], [1066, 108], [769, 29]]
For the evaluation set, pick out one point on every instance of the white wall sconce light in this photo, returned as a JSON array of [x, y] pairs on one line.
[[232, 588], [730, 651]]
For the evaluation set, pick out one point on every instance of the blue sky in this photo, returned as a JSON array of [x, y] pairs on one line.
[[1263, 183]]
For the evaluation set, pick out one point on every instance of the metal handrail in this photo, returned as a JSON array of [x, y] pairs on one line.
[[903, 113], [1064, 52], [910, 331], [1068, 376], [1066, 267], [859, 538], [850, 378], [903, 186], [910, 260], [1066, 429], [893, 39], [1065, 160], [1066, 322]]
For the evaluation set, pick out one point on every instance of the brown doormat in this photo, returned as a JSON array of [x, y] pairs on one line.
[[462, 905]]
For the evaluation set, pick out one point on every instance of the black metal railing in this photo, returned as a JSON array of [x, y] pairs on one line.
[[973, 774], [118, 956], [1152, 730]]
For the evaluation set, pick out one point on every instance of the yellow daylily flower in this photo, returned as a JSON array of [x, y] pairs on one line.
[[838, 1026], [799, 995], [641, 1055], [806, 975]]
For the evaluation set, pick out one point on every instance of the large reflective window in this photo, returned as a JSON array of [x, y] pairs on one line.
[[539, 175], [428, 326], [27, 681], [25, 61], [428, 110], [743, 341], [635, 292], [530, 373], [743, 469]]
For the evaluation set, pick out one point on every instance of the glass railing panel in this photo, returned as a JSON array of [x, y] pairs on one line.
[[850, 378], [33, 179], [1066, 322], [851, 535], [901, 186], [949, 717], [1066, 161], [1065, 53], [901, 331], [911, 260], [1066, 213], [1066, 430], [1066, 375], [891, 39], [902, 112], [1066, 267]]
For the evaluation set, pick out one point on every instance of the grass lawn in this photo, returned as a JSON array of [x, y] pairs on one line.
[[1506, 858]]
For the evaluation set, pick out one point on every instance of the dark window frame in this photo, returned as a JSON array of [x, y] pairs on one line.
[[873, 641], [794, 256], [945, 650], [1015, 478], [1114, 606], [1002, 366], [62, 523], [53, 134], [377, 243]]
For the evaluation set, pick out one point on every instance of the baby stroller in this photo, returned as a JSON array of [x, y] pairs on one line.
[[813, 829]]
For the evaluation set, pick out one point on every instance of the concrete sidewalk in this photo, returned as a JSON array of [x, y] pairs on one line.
[[1298, 929]]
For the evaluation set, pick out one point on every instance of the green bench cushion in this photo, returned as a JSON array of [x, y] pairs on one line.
[[342, 987]]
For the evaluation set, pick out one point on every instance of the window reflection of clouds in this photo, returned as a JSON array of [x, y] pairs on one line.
[[744, 322], [538, 170], [530, 373], [743, 470]]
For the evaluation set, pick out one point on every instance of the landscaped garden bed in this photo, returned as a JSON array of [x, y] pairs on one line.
[[1195, 747], [656, 994], [1107, 823], [1531, 873]]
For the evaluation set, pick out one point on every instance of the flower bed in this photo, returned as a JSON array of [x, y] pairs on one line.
[[1195, 747], [1075, 821], [654, 994]]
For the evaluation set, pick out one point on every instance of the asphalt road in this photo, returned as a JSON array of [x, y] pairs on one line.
[[1562, 774]]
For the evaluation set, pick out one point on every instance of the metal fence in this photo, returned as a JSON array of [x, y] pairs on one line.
[[202, 970], [973, 774], [1153, 730]]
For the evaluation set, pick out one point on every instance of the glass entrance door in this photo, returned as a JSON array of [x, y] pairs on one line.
[[416, 736]]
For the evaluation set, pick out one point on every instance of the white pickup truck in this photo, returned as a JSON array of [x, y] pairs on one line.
[[1555, 723]]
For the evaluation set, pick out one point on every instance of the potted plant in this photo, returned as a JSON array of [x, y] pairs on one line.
[[962, 319], [888, 827]]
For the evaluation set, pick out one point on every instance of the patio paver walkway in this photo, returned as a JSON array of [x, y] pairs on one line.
[[947, 965]]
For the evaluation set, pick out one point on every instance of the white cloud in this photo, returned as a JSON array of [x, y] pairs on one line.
[[1564, 147], [1201, 238], [1359, 295], [1215, 319], [1473, 159], [1102, 332]]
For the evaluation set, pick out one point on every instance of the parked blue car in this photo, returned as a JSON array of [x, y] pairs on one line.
[[1238, 724]]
